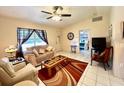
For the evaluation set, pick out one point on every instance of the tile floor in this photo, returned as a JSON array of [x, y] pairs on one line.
[[94, 75]]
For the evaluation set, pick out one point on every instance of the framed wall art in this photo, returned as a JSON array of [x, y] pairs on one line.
[[70, 36], [122, 29]]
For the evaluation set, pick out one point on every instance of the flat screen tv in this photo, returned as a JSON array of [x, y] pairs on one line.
[[99, 43]]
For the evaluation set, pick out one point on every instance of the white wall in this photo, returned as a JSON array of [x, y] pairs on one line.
[[8, 35], [117, 16], [96, 29]]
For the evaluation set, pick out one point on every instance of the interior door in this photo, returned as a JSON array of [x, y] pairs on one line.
[[84, 40]]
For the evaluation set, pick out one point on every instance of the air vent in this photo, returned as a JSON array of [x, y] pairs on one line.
[[95, 19]]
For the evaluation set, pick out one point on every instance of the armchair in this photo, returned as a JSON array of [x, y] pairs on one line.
[[103, 57], [10, 75]]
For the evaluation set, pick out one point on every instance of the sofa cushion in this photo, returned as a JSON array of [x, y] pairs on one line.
[[32, 59], [41, 51], [35, 52], [49, 48], [8, 67], [37, 47], [45, 56]]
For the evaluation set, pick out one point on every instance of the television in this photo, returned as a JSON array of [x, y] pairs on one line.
[[99, 44]]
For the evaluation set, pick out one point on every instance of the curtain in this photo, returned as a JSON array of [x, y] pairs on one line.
[[45, 36], [42, 35], [22, 40]]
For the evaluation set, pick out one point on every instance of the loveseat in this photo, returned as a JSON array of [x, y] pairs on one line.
[[36, 54]]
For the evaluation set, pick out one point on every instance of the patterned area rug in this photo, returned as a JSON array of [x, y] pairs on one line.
[[64, 74]]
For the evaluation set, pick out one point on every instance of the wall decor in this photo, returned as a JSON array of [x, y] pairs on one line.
[[110, 31], [109, 38], [123, 29], [70, 36]]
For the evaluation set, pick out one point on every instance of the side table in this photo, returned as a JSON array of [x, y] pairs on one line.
[[16, 61], [73, 48]]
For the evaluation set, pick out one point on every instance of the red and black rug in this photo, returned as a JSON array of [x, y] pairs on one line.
[[65, 74]]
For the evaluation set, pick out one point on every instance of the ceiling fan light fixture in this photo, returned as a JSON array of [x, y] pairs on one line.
[[56, 15], [56, 18]]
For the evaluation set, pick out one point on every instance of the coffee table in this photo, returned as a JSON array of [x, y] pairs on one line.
[[49, 64]]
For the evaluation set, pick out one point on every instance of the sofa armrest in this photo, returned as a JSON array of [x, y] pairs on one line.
[[19, 66], [26, 56], [29, 72], [31, 58]]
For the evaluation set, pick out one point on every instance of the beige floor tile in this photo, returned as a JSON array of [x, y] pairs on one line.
[[103, 80], [101, 68], [91, 76], [94, 63], [115, 81], [89, 82], [92, 69], [82, 84], [41, 83], [102, 72], [104, 75], [113, 78], [98, 84]]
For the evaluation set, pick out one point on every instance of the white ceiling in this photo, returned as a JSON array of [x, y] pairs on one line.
[[32, 13]]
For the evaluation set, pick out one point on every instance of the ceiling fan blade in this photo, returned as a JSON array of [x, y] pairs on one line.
[[46, 12], [49, 17], [65, 15]]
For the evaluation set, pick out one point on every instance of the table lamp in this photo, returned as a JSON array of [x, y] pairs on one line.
[[11, 49]]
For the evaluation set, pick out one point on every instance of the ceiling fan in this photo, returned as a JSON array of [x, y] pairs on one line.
[[56, 16]]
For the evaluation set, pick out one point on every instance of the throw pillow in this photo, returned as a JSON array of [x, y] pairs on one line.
[[35, 52], [5, 59], [41, 51], [49, 48], [8, 67], [32, 59]]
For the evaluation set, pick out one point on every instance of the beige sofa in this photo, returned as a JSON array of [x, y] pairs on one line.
[[10, 75], [37, 59]]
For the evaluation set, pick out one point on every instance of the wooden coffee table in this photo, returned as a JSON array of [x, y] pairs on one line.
[[49, 64]]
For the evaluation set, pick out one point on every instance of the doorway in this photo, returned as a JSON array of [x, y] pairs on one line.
[[84, 42]]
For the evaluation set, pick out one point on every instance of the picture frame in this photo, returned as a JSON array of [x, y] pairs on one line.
[[70, 36], [122, 29], [110, 31]]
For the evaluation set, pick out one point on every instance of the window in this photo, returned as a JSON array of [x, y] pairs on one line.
[[34, 40]]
